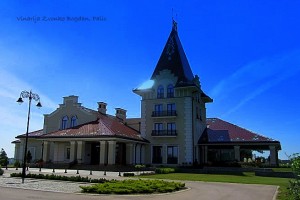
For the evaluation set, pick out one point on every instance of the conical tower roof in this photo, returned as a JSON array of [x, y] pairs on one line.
[[174, 59]]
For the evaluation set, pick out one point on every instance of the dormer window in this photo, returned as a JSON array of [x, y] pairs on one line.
[[73, 121], [64, 122], [170, 91], [160, 92]]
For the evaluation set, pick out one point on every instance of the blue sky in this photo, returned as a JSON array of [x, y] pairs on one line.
[[247, 54]]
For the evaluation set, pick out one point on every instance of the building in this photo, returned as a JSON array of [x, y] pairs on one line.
[[173, 128]]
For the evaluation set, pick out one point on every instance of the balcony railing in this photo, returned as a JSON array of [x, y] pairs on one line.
[[164, 113], [164, 133]]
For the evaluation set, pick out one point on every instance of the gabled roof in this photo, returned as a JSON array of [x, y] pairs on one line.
[[104, 126], [174, 59], [220, 131], [33, 134]]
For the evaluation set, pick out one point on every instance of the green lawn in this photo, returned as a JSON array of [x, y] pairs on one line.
[[282, 169], [246, 178]]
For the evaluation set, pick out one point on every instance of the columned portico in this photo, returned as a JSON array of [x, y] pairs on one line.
[[129, 153], [273, 156], [237, 154], [103, 152], [72, 151], [80, 151], [46, 151], [111, 152], [55, 150]]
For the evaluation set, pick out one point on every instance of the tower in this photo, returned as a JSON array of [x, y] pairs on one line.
[[173, 113]]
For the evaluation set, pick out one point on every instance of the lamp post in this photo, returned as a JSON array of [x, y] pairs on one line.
[[30, 96]]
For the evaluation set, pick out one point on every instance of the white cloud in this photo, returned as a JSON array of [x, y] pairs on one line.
[[267, 72]]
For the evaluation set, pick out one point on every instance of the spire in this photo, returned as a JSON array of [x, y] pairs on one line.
[[174, 26], [174, 59]]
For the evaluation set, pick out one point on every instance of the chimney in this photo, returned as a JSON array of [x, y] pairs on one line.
[[102, 107], [121, 114]]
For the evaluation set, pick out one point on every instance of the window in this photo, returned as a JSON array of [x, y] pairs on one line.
[[158, 127], [171, 109], [158, 110], [171, 129], [170, 91], [160, 92], [64, 122], [157, 154], [73, 121], [172, 154]]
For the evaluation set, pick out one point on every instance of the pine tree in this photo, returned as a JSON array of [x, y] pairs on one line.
[[3, 158]]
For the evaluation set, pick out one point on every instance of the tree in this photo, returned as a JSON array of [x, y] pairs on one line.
[[294, 187], [28, 157], [3, 158]]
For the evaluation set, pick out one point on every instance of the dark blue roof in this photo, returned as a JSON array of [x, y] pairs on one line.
[[174, 59]]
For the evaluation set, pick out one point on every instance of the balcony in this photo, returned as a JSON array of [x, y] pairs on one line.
[[166, 113], [172, 133]]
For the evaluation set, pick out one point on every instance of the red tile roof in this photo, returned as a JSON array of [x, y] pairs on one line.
[[221, 131], [104, 126], [33, 134]]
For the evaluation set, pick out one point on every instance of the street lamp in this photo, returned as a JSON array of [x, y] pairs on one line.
[[30, 96]]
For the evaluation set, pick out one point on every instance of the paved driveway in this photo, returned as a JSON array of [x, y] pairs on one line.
[[13, 189]]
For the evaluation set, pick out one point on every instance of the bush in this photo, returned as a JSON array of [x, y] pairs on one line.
[[165, 170], [133, 187], [62, 178], [1, 171], [294, 186], [126, 174]]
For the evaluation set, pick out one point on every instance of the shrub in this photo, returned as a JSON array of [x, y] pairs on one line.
[[165, 170], [126, 174], [294, 186], [62, 178], [133, 187], [1, 171]]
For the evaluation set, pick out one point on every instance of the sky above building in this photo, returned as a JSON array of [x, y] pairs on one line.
[[246, 53]]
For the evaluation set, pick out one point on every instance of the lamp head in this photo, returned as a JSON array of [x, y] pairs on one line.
[[39, 105], [20, 100]]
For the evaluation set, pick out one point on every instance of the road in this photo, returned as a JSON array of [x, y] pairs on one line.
[[197, 190]]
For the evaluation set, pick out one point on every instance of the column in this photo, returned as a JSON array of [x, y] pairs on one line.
[[46, 150], [103, 152], [55, 154], [237, 155], [80, 151], [21, 154], [72, 151], [111, 152], [164, 154], [205, 154], [273, 156], [129, 154]]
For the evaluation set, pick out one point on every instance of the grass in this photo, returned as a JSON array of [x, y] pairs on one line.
[[282, 169], [245, 178], [133, 187]]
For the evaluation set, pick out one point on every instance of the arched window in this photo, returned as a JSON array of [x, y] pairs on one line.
[[64, 122], [73, 121], [170, 91], [160, 92]]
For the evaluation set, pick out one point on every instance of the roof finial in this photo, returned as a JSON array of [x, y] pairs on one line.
[[174, 23]]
